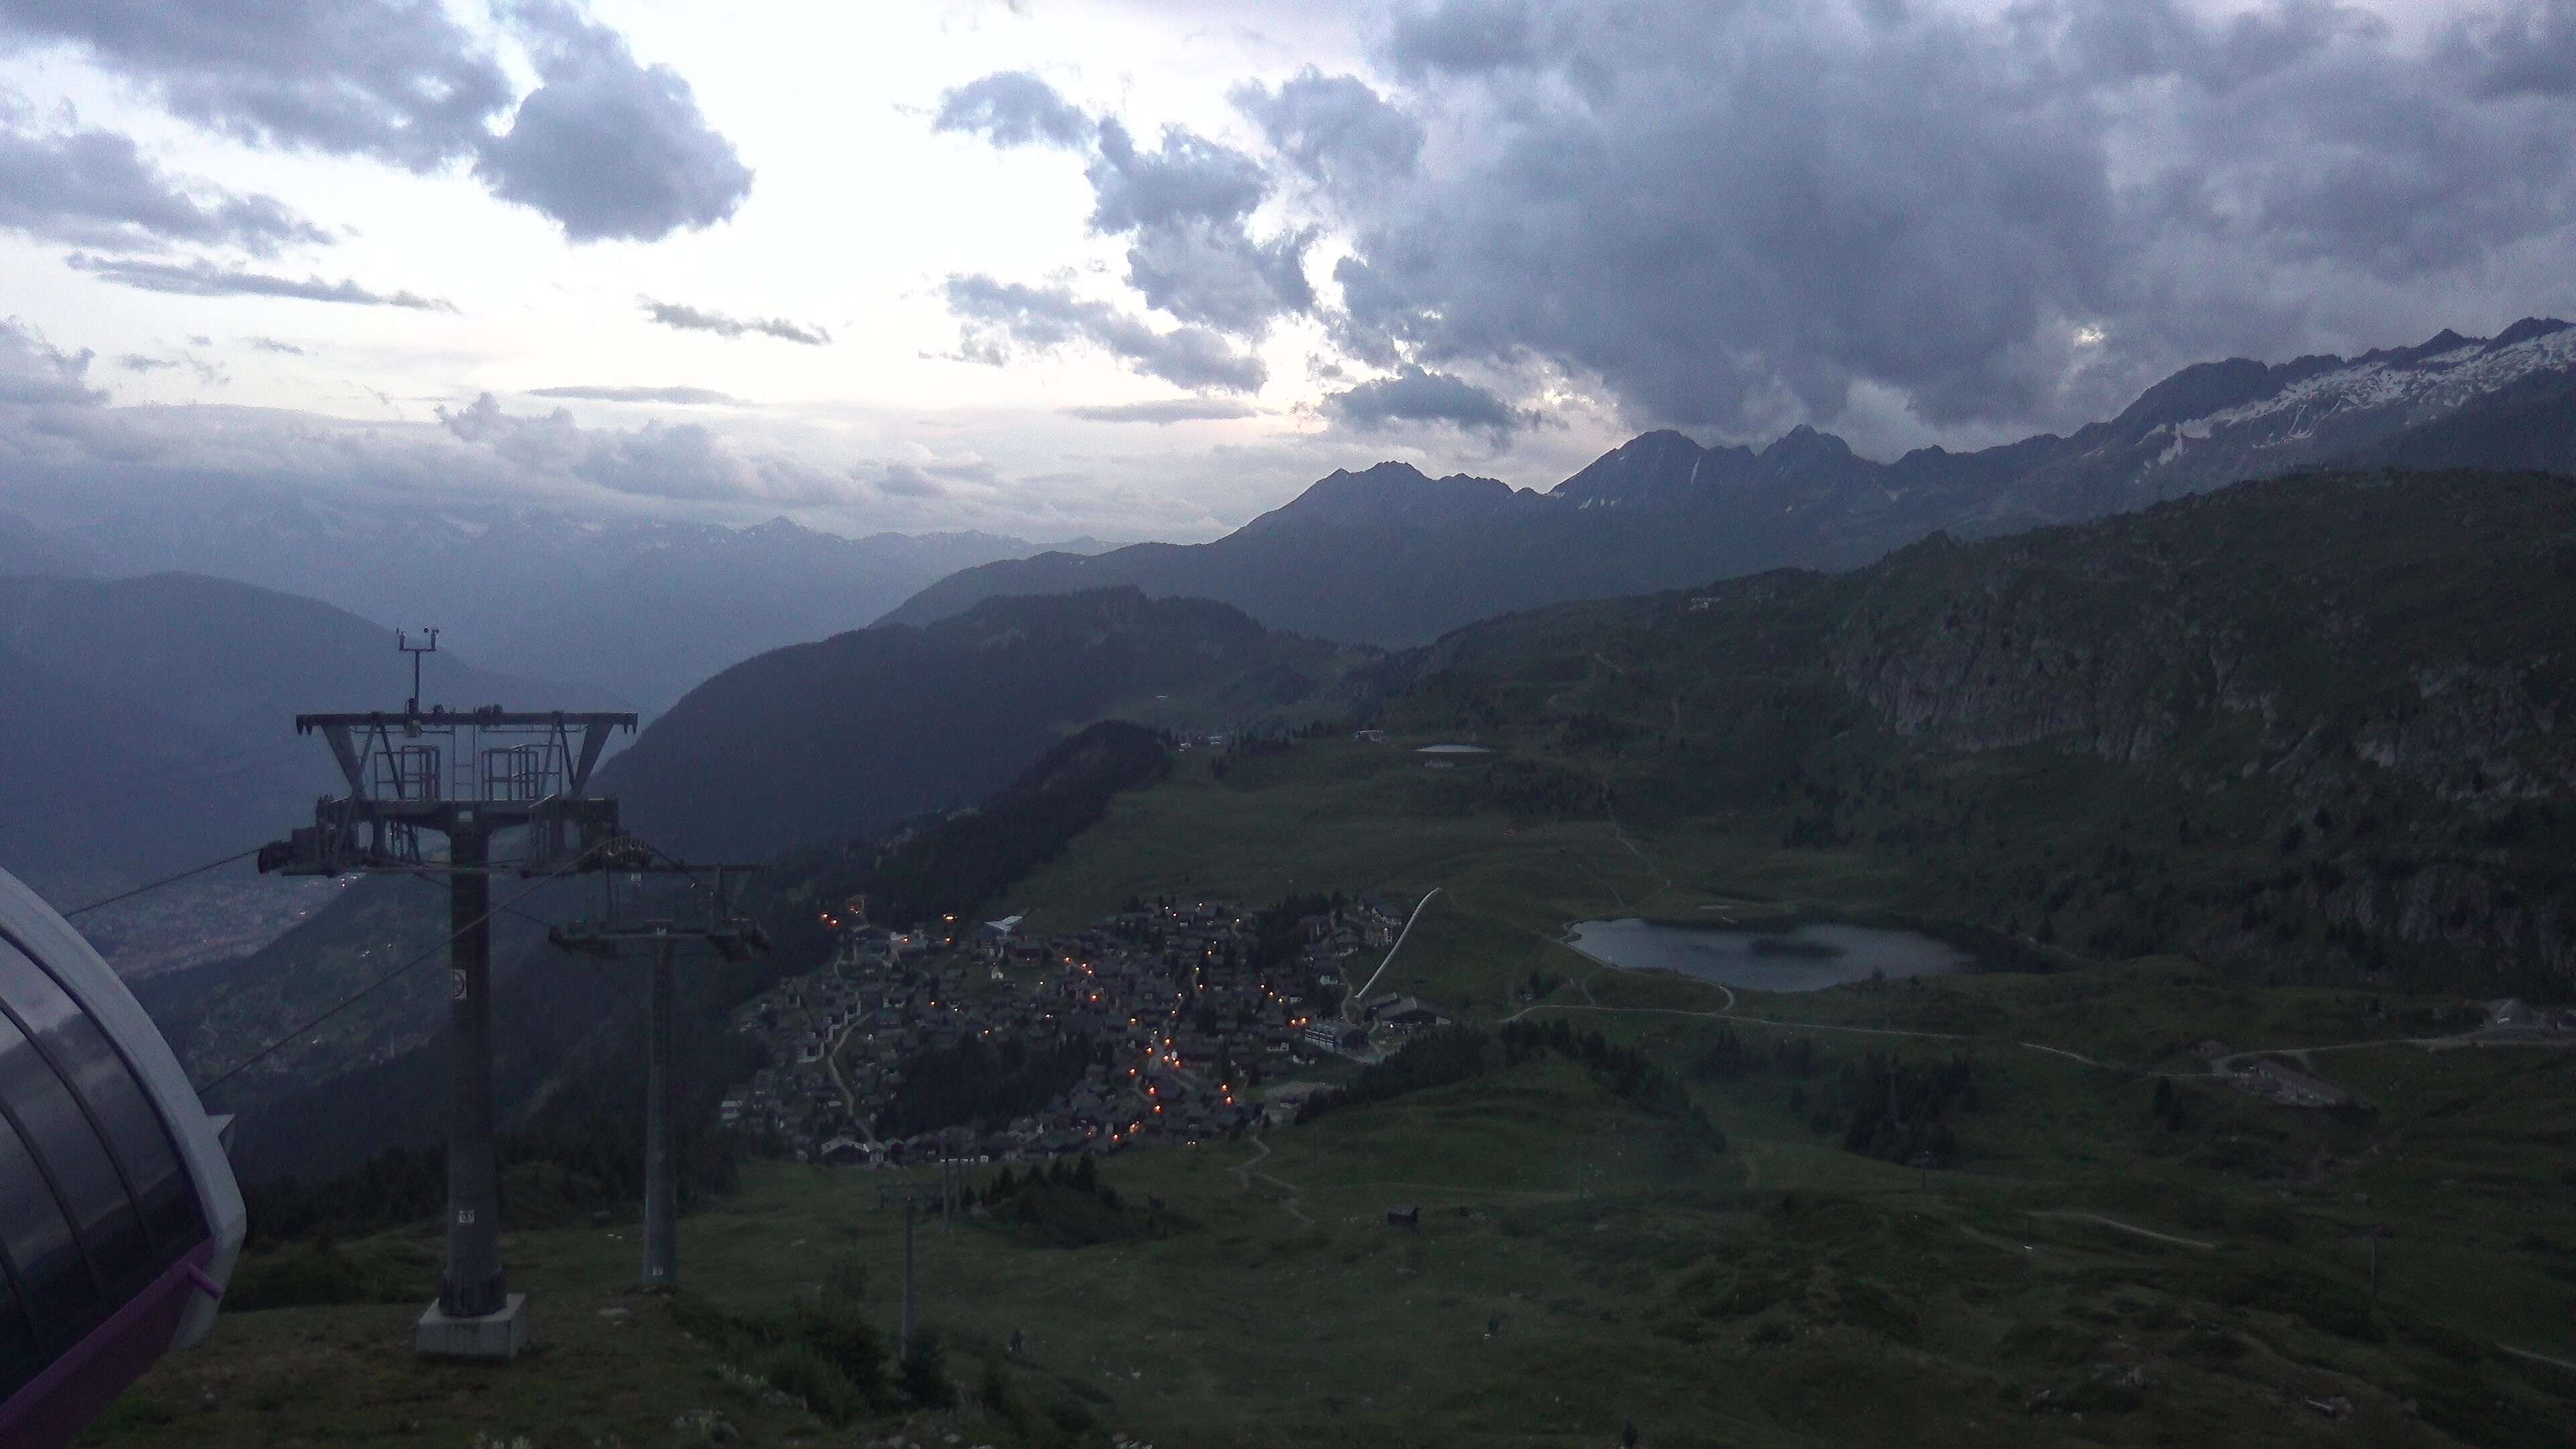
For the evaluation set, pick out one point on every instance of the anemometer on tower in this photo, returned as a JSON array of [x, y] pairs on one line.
[[402, 641]]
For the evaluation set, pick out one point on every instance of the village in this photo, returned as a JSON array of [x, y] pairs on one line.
[[1170, 1022]]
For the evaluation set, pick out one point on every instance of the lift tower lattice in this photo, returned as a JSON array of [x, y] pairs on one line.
[[471, 776], [732, 937]]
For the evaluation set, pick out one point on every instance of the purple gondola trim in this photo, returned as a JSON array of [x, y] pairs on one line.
[[57, 1402]]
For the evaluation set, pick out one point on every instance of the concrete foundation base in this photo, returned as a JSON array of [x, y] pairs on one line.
[[499, 1335]]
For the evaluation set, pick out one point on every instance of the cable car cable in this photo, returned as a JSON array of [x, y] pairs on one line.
[[371, 987], [158, 884]]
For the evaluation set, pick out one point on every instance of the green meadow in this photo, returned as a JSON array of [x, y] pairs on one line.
[[2103, 1261]]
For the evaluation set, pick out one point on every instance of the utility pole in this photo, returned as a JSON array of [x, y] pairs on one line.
[[661, 1157], [909, 1196], [471, 776], [2374, 1235], [732, 937]]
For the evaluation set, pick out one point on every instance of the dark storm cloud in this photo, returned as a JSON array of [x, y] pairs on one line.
[[1416, 396], [96, 188], [998, 317], [1734, 214], [691, 395], [1211, 273], [1334, 127], [207, 279], [686, 318], [34, 372], [604, 146], [1726, 215], [1186, 178], [1183, 204], [1162, 410], [394, 79], [1013, 108], [2529, 50], [1463, 37], [1739, 214]]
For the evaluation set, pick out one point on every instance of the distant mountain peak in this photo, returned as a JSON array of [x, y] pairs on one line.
[[1803, 443], [1660, 510], [1389, 494], [1390, 471], [1660, 466], [2524, 331]]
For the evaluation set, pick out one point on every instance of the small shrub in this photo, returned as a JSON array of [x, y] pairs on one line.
[[799, 1372], [923, 1375]]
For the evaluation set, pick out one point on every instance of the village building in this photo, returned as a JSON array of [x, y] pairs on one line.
[[2292, 1087]]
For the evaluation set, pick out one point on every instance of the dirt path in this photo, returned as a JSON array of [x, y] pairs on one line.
[[1245, 1172], [1634, 848], [2524, 1353], [849, 1099], [2483, 1036], [2070, 1056], [2130, 1228]]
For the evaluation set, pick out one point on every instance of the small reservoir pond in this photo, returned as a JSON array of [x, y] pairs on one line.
[[1803, 958]]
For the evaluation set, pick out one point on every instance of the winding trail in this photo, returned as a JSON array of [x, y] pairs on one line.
[[2129, 1228], [2524, 1353], [1351, 1002], [2482, 1036], [1621, 832], [1245, 1172], [849, 1099], [2070, 1056]]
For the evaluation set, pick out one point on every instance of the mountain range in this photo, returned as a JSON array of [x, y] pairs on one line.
[[642, 608], [838, 739], [1392, 557]]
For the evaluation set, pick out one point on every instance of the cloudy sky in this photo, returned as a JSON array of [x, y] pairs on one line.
[[1143, 270]]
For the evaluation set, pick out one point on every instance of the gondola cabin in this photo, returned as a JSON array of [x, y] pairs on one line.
[[120, 1221]]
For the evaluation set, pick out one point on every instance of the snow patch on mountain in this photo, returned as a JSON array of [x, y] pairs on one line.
[[2423, 388]]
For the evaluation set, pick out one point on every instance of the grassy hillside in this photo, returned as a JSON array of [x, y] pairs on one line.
[[2089, 1272]]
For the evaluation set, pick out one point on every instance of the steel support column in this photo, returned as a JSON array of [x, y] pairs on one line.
[[661, 1160], [903, 1340], [472, 1284]]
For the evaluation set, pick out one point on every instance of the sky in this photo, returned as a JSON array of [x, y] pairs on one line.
[[1136, 270]]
